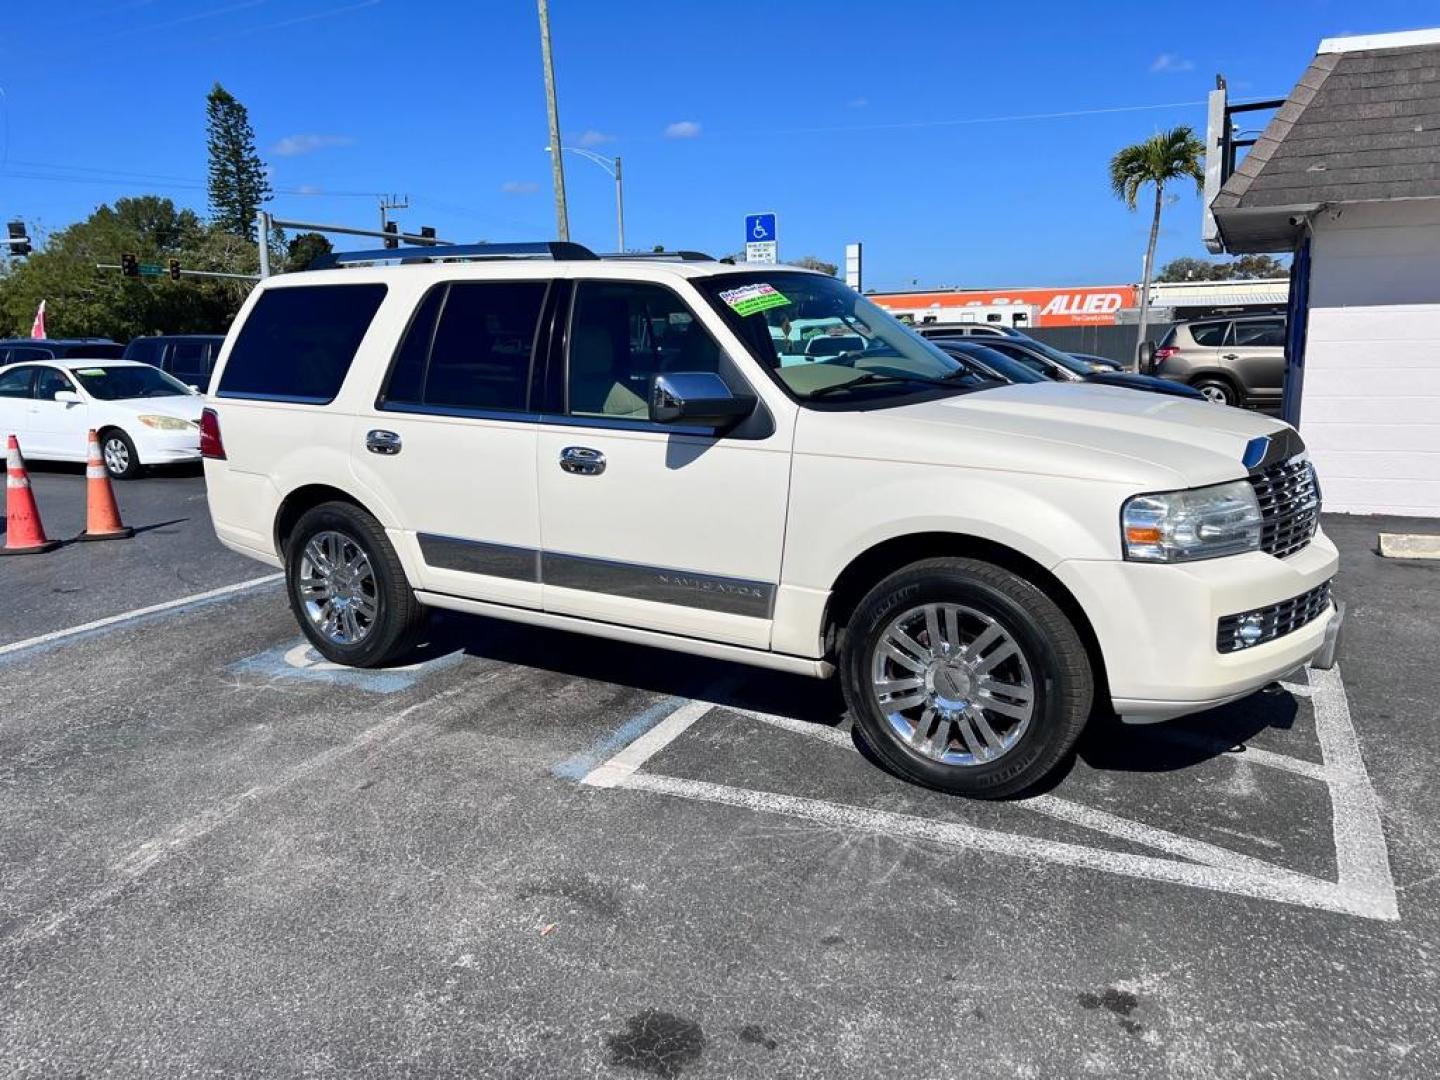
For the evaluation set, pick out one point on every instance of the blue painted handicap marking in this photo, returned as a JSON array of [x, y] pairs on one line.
[[299, 660]]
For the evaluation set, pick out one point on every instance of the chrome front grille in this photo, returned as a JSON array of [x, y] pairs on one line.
[[1289, 506], [1249, 628]]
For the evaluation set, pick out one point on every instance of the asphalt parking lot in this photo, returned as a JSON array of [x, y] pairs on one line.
[[536, 854]]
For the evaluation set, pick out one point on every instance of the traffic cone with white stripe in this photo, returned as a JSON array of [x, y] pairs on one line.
[[102, 516], [24, 535]]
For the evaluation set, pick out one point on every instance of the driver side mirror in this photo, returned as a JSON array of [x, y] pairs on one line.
[[697, 397], [68, 397]]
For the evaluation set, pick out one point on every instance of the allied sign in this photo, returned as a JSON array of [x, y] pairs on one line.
[[1079, 306]]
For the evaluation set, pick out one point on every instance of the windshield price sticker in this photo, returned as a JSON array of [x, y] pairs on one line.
[[90, 371], [748, 299]]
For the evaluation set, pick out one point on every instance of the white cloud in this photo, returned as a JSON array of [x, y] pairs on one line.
[[857, 103], [292, 145], [594, 138], [1168, 63], [683, 129], [519, 187]]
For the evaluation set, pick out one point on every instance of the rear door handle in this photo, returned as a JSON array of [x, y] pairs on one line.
[[1229, 356], [582, 461], [382, 442]]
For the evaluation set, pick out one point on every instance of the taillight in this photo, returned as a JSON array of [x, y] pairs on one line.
[[1165, 352], [211, 445]]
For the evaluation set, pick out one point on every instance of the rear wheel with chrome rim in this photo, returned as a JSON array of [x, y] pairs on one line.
[[964, 676], [348, 589], [1216, 391]]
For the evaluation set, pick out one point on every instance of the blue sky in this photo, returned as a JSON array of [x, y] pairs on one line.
[[853, 121]]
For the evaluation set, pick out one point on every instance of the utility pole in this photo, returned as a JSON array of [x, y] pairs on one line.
[[557, 165], [263, 223]]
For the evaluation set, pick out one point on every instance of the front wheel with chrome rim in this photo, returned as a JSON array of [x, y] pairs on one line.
[[348, 589], [118, 453], [964, 676]]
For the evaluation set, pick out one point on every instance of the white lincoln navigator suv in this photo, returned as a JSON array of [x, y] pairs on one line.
[[758, 464]]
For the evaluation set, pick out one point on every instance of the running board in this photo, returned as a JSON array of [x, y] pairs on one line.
[[714, 650]]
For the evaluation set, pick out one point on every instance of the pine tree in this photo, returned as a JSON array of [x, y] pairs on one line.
[[238, 185]]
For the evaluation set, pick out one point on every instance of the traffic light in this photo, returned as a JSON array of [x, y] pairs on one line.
[[427, 232], [392, 241], [174, 269], [20, 242], [129, 265]]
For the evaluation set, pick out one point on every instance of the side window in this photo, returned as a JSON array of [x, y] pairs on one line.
[[469, 347], [1034, 363], [299, 342], [15, 383], [622, 333], [1260, 332], [21, 353], [188, 361], [1208, 334], [49, 382]]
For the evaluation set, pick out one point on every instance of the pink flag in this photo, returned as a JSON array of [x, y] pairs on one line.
[[37, 329]]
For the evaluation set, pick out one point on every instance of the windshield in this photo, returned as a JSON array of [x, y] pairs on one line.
[[1064, 359], [1007, 367], [119, 383], [820, 338]]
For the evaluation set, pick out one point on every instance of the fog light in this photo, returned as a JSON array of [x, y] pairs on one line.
[[1249, 630]]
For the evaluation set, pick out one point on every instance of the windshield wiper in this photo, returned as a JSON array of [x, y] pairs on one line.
[[871, 377]]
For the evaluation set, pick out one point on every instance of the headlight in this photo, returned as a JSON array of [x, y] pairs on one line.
[[1198, 523], [168, 423]]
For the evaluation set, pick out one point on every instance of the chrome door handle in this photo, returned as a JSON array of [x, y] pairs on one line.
[[582, 461], [382, 442]]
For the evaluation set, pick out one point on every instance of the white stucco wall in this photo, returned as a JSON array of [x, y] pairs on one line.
[[1371, 407]]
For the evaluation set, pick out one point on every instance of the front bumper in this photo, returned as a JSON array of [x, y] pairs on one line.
[[1156, 625], [166, 447]]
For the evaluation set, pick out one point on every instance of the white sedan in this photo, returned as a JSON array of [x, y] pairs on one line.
[[144, 417]]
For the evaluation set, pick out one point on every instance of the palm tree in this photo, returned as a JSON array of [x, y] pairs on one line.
[[1165, 156]]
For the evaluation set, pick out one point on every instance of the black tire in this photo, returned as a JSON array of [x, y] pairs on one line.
[[1063, 683], [1216, 390], [116, 446], [399, 617]]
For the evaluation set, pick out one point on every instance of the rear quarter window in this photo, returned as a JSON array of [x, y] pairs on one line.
[[298, 343], [1208, 334]]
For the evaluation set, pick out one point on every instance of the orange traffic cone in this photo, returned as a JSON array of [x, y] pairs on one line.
[[102, 516], [24, 535]]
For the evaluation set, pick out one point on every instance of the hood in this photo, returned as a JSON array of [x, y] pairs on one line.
[[183, 406], [1081, 430]]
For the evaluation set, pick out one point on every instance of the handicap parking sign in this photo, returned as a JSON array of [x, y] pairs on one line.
[[759, 228]]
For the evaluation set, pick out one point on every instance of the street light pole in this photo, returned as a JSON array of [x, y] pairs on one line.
[[611, 166], [620, 205], [557, 167]]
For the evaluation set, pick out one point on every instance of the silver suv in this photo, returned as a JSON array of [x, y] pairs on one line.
[[1232, 361]]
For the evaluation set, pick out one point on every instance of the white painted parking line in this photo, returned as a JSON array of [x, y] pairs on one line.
[[1289, 888], [1062, 809], [617, 770], [1361, 857], [55, 637], [1364, 886]]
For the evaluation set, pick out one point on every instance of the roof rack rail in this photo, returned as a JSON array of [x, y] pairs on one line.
[[668, 256], [551, 249]]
